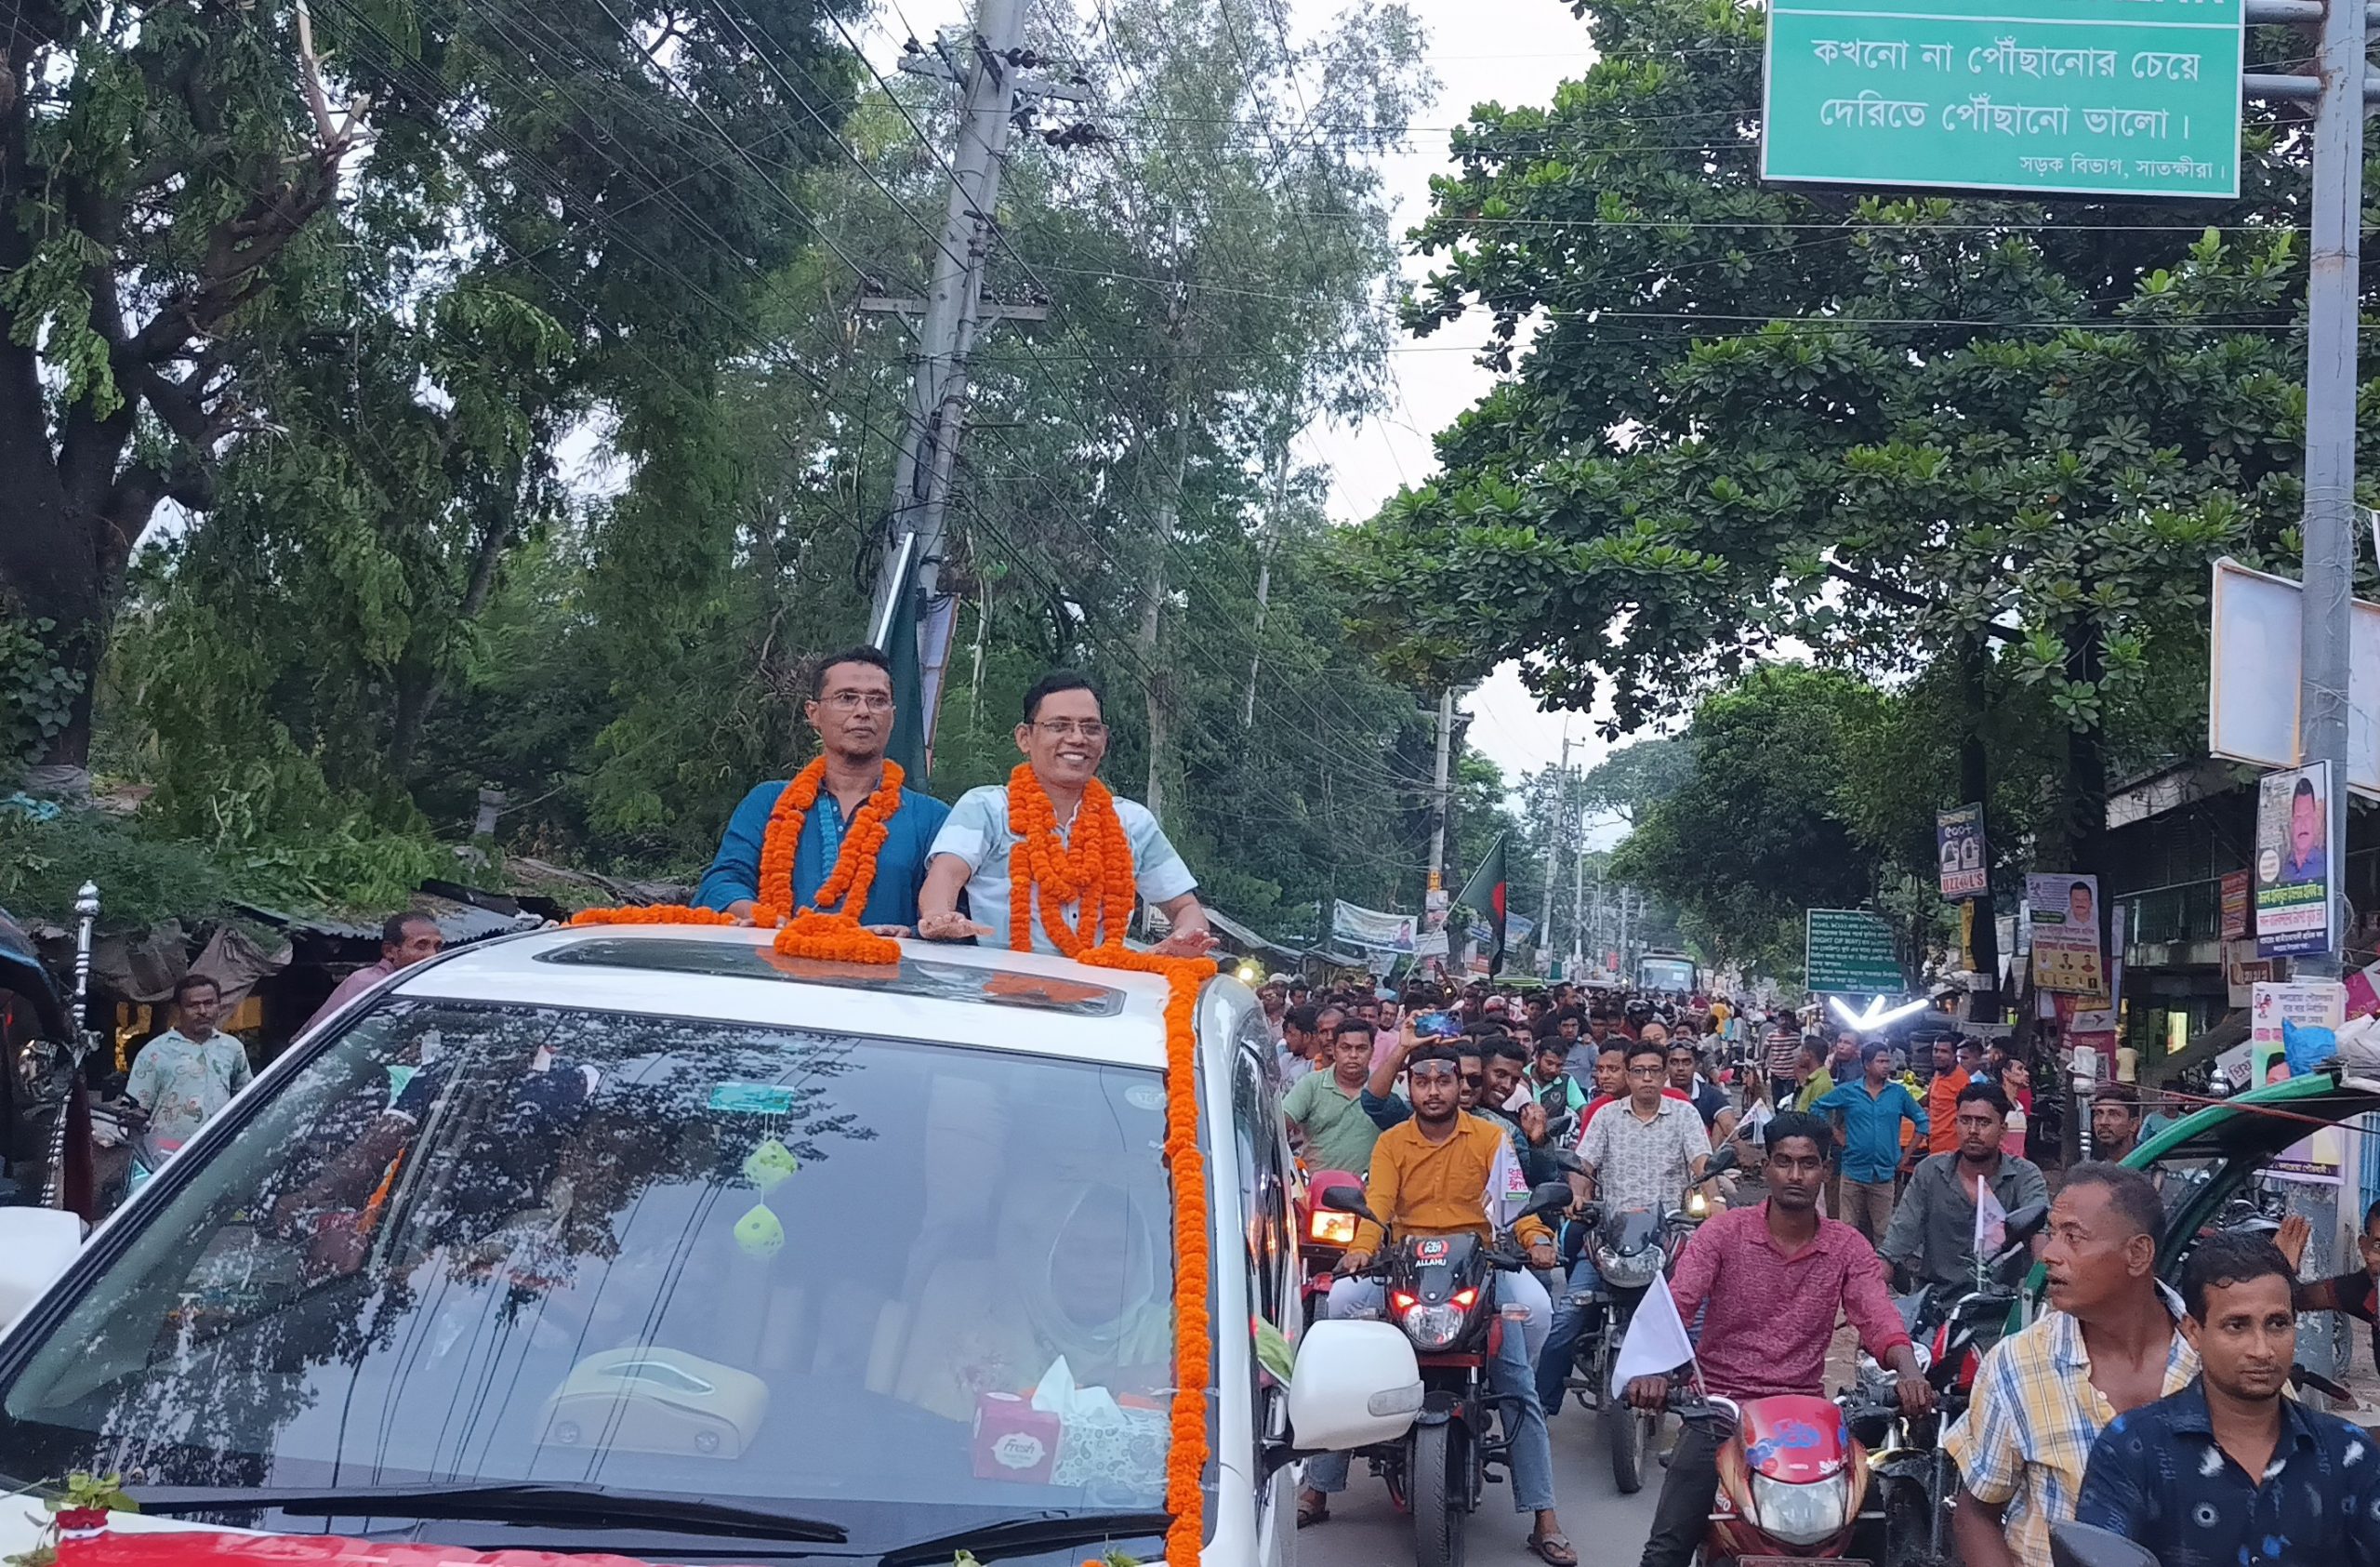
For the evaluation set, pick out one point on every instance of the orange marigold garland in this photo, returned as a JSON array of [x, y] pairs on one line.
[[812, 931], [651, 914], [1095, 870], [1194, 1348]]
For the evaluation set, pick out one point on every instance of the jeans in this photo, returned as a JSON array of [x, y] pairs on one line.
[[1570, 1320], [1532, 1446], [1683, 1515]]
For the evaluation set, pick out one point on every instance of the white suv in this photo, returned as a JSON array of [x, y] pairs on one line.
[[650, 1240]]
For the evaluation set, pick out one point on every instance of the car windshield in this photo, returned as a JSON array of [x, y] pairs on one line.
[[469, 1244]]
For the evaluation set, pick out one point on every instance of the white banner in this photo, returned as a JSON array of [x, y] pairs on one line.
[[1372, 927]]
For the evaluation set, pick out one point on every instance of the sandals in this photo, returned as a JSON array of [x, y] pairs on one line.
[[1553, 1550], [1310, 1515]]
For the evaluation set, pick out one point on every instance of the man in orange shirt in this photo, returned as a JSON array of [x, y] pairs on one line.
[[1951, 1079], [1430, 1176]]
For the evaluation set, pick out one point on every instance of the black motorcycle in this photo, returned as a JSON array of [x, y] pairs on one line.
[[1951, 1329], [1441, 1290], [1632, 1247]]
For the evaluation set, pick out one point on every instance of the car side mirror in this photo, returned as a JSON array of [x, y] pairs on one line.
[[1355, 1384], [2081, 1545], [36, 1246]]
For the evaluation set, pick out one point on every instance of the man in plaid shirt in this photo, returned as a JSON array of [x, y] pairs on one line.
[[2110, 1343]]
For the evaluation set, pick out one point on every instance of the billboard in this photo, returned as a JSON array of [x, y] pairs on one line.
[[1958, 845], [2293, 866], [2066, 934], [2251, 696]]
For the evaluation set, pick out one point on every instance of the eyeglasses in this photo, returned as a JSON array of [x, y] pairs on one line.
[[854, 701], [1648, 1074], [1065, 728], [1471, 1080]]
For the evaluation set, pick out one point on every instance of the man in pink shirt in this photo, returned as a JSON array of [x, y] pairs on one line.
[[1769, 1282], [405, 940]]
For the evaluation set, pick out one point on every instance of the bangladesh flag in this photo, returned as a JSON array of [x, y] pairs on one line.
[[1484, 894]]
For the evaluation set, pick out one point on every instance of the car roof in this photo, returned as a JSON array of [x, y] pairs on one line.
[[989, 998]]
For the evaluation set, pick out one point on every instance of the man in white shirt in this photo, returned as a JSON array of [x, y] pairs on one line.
[[184, 1075], [1063, 739]]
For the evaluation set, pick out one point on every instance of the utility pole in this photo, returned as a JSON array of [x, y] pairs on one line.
[[1554, 848], [2340, 96], [1439, 793], [1579, 901], [985, 63]]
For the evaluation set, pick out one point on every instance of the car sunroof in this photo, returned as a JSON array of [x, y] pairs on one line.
[[911, 977]]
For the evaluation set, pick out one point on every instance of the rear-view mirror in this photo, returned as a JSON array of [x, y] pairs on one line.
[[2081, 1545], [37, 1245], [1550, 1197], [2027, 1221], [1348, 1199], [1724, 1161], [1355, 1384]]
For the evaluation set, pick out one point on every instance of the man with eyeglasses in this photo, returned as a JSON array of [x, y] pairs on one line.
[[1063, 739], [851, 706]]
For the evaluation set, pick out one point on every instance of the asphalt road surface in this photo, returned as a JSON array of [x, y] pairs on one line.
[[1607, 1529]]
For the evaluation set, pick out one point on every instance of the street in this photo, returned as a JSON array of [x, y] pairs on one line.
[[1606, 1529]]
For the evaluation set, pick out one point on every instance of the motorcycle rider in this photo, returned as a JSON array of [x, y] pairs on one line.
[[1769, 1282], [1326, 1107], [1639, 1154], [1430, 1176], [1932, 1233]]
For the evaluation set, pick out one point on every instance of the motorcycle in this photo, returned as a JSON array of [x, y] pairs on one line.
[[1324, 1235], [1441, 1293], [1792, 1478], [1951, 1331], [1632, 1247]]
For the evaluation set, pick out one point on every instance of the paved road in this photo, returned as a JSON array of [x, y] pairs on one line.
[[1607, 1529]]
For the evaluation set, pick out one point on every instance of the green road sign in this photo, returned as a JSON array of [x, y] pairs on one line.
[[2136, 97], [1850, 950]]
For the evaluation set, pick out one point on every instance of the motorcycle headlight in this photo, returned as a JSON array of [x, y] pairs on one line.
[[1630, 1272], [1434, 1327], [1801, 1515], [1697, 1204]]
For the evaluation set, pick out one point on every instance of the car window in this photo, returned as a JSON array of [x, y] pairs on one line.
[[469, 1243]]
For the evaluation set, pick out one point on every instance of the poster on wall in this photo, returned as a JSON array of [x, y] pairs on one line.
[[1958, 844], [2235, 905], [2293, 900], [2065, 910], [2321, 1003]]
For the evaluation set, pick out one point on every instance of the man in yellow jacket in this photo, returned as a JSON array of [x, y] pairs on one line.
[[1433, 1176]]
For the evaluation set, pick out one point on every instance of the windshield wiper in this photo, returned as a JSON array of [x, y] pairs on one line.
[[1039, 1531], [513, 1501]]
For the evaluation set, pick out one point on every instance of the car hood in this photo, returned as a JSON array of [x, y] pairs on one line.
[[2256, 1126]]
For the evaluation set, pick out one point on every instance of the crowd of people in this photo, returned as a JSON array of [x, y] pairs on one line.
[[1869, 1157]]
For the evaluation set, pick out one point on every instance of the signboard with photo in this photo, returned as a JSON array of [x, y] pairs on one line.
[[2319, 1003], [2065, 910], [2292, 863], [1373, 928], [1958, 845]]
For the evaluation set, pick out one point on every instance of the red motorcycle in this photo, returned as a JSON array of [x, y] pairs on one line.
[[1792, 1481], [1323, 1234]]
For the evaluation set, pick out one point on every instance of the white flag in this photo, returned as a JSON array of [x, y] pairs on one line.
[[1508, 1188], [1657, 1344], [1991, 1221]]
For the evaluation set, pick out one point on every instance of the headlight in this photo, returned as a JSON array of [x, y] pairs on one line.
[[1801, 1515], [1434, 1327], [1697, 1205], [1332, 1227], [1633, 1271]]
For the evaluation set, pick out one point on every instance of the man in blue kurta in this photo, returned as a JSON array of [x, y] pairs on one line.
[[851, 706]]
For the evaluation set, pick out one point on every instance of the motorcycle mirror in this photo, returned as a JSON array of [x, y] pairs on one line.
[[2081, 1545], [1562, 1159], [2302, 1378], [2027, 1221], [1722, 1161], [1550, 1197], [1348, 1199]]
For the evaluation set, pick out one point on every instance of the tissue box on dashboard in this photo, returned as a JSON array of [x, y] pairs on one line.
[[1126, 1453], [1014, 1440]]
